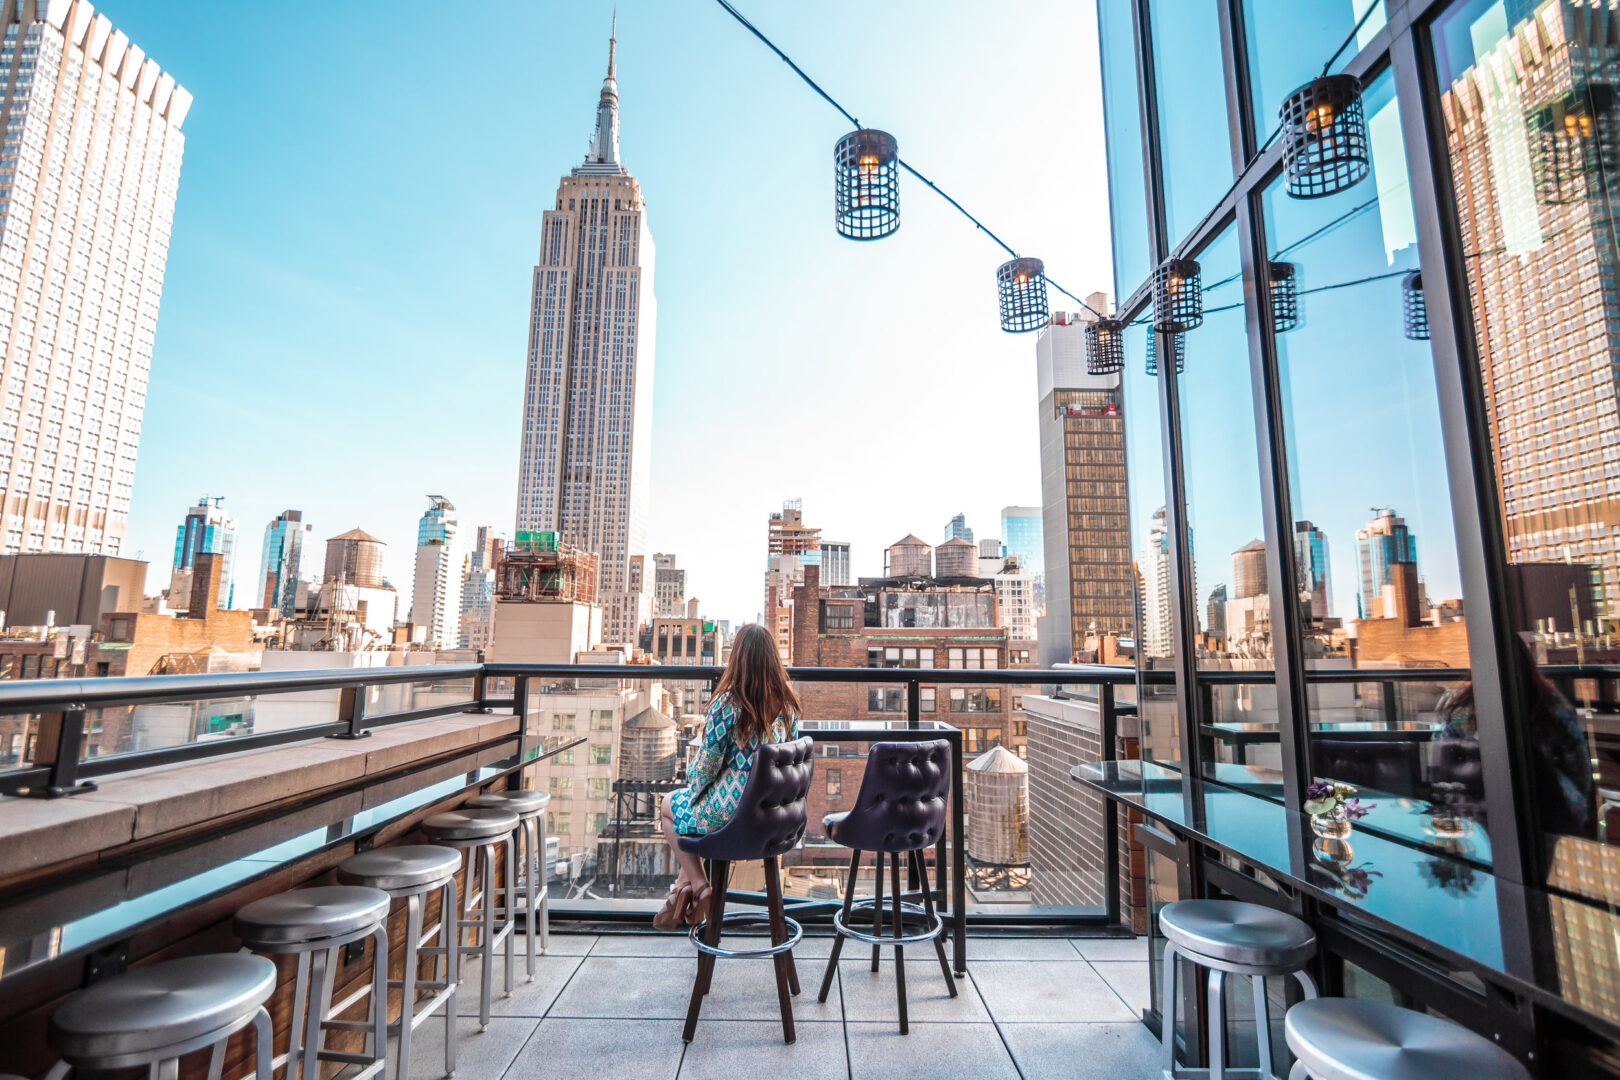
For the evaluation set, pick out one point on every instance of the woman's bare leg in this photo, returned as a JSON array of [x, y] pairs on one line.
[[691, 866]]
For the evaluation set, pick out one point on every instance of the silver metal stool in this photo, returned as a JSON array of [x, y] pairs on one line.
[[314, 924], [1227, 937], [1346, 1039], [413, 872], [530, 807], [152, 1015], [483, 831]]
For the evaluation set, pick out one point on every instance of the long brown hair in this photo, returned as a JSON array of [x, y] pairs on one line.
[[758, 684]]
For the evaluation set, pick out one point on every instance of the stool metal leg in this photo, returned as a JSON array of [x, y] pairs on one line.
[[899, 949], [1217, 1024], [1298, 1072], [263, 1040], [320, 998], [531, 863], [542, 874], [511, 897], [920, 868], [379, 995], [407, 983], [486, 910], [450, 940], [216, 1061], [786, 982], [1167, 1010], [838, 939], [877, 909], [1262, 1025]]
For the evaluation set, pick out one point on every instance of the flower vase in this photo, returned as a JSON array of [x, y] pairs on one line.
[[1333, 836]]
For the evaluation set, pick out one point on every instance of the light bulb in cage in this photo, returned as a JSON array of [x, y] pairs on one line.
[[1414, 309], [1178, 296], [1283, 282], [1324, 137], [1178, 349], [866, 184], [1021, 284], [1570, 151], [1105, 346]]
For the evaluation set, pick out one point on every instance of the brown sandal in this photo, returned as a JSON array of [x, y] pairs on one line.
[[675, 907], [698, 910]]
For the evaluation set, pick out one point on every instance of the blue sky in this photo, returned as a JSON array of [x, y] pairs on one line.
[[344, 318]]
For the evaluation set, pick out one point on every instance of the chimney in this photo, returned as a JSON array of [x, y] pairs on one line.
[[812, 577], [205, 571], [1403, 584]]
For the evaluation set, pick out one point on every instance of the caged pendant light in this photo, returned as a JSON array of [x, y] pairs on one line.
[[1569, 152], [1178, 348], [866, 184], [1324, 137], [1284, 285], [1105, 346], [1178, 297], [1022, 286], [1415, 310]]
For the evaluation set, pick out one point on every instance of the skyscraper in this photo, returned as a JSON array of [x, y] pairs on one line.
[[477, 624], [669, 587], [1156, 597], [1085, 512], [436, 597], [957, 529], [790, 546], [588, 394], [835, 562], [1021, 535], [207, 528], [281, 566], [1311, 562], [88, 174], [1381, 544]]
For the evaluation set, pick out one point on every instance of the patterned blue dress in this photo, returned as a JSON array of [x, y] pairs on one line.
[[715, 779]]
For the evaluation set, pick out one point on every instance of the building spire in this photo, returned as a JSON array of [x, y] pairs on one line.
[[605, 144]]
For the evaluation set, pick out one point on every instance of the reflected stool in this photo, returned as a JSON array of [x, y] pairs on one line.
[[315, 924], [1228, 937], [900, 810], [1346, 1039], [769, 821], [530, 807], [153, 1014], [413, 872], [480, 831]]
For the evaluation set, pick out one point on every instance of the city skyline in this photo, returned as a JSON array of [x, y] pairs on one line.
[[320, 299]]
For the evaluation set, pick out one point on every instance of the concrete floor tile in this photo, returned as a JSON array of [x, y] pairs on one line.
[[873, 998], [661, 988], [997, 948], [676, 945], [1111, 948], [728, 1049], [1055, 993], [1108, 1051], [935, 1051], [1129, 981], [551, 974], [566, 944], [628, 1049], [481, 1055]]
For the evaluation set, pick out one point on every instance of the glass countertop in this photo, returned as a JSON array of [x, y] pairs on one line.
[[1561, 950]]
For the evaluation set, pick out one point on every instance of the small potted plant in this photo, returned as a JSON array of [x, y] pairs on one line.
[[1333, 806]]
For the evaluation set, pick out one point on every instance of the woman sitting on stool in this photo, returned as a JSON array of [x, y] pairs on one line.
[[753, 704]]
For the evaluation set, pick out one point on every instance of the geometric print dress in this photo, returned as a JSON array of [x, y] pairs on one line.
[[715, 779]]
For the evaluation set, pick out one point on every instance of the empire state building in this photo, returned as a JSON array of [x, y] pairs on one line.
[[587, 413]]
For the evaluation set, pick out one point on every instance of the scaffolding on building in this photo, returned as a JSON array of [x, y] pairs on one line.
[[536, 566]]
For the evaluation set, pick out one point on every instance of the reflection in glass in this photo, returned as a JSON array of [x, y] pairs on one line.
[[1193, 134], [1288, 42], [1122, 119], [1378, 592]]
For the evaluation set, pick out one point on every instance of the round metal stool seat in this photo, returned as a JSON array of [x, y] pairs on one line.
[[1346, 1039], [1247, 934], [306, 915], [474, 824], [158, 1006], [400, 870], [522, 803]]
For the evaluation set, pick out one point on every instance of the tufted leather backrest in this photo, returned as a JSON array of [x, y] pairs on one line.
[[902, 801], [771, 814]]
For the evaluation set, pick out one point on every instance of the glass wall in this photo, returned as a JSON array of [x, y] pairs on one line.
[[1526, 95], [1193, 138], [1289, 42], [1127, 178]]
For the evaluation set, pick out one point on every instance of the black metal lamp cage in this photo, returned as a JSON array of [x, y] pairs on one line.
[[1178, 296], [1284, 285], [1178, 349], [866, 184], [1415, 309], [1570, 146], [1105, 346], [1022, 286], [1324, 137]]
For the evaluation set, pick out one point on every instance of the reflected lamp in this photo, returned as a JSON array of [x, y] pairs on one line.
[[1415, 310], [1283, 284]]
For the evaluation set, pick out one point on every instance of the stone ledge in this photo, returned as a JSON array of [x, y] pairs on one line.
[[39, 833]]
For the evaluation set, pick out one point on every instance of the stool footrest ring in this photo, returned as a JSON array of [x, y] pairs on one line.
[[914, 912], [741, 918]]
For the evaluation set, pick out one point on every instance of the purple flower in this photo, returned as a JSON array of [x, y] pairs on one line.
[[1357, 809], [1319, 789]]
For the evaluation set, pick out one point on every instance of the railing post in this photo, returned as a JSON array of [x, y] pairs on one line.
[[913, 704], [61, 736], [1109, 752], [352, 712], [958, 861], [479, 694], [520, 709], [1392, 704]]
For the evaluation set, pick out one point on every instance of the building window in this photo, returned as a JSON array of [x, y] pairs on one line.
[[840, 617], [597, 787], [1021, 728], [561, 824], [965, 700], [599, 823], [601, 719], [601, 754], [973, 659], [835, 783], [898, 657], [886, 699], [8, 666], [563, 721], [30, 666], [562, 787], [566, 757], [925, 699]]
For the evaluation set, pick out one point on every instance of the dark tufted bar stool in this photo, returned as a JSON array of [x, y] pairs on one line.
[[900, 810], [769, 822]]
